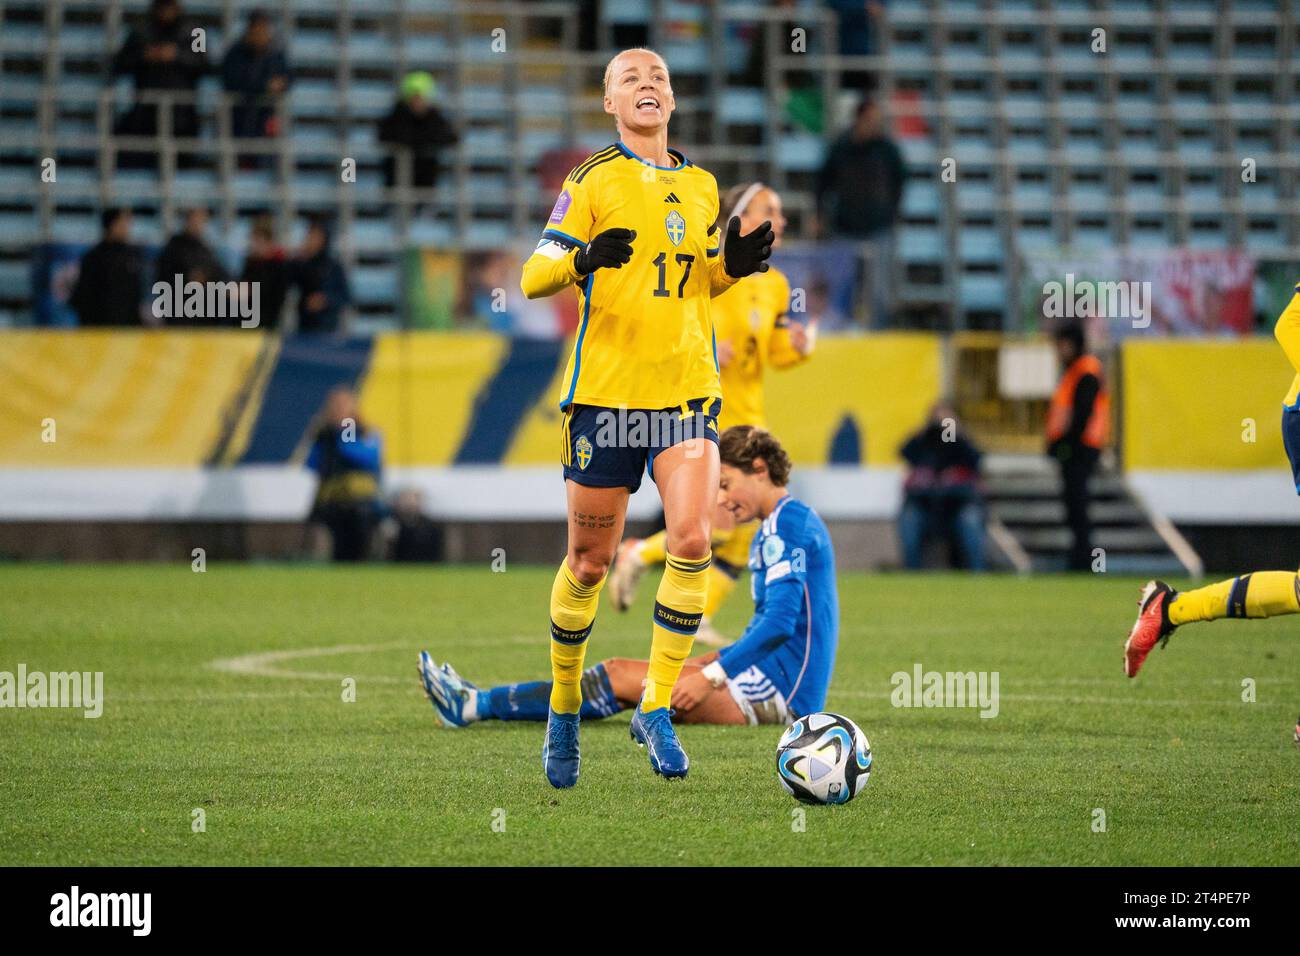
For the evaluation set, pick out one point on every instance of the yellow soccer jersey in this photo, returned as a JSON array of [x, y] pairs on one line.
[[1287, 332], [645, 339], [751, 315]]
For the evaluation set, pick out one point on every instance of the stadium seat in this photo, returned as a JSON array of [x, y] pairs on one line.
[[922, 245], [20, 228], [982, 293], [980, 246], [800, 152], [744, 107], [15, 279], [375, 286]]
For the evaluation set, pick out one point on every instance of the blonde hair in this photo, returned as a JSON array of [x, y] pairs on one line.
[[609, 67]]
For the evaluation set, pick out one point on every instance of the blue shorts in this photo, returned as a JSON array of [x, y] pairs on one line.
[[1291, 439], [613, 447]]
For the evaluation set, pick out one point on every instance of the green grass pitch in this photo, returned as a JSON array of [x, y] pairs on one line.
[[287, 772]]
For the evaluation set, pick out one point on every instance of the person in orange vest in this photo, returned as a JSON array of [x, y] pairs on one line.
[[1077, 421]]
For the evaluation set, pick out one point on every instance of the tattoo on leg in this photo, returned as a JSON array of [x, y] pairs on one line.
[[593, 521]]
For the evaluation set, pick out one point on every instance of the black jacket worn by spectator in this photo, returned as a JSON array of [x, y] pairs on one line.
[[110, 285], [181, 73], [939, 466], [860, 186], [272, 273], [194, 260], [321, 273], [424, 133], [248, 72]]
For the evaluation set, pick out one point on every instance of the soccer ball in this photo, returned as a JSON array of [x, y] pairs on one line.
[[823, 758]]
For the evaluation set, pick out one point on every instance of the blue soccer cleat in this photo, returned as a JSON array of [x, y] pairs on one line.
[[560, 756], [446, 691], [654, 731]]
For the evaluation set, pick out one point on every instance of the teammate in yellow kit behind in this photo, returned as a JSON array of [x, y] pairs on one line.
[[1259, 594], [754, 332], [635, 230]]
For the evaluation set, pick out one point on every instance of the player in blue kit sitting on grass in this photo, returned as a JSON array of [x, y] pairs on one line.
[[780, 667]]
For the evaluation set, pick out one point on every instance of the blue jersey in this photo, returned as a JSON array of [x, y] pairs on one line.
[[795, 628]]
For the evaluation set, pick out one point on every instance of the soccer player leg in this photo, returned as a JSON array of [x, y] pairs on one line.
[[1255, 595], [1161, 609], [687, 475], [531, 700], [595, 526]]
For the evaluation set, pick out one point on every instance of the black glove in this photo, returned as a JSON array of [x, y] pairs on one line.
[[745, 255], [610, 249]]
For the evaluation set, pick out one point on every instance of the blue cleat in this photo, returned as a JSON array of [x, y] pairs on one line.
[[560, 756], [446, 691], [654, 731]]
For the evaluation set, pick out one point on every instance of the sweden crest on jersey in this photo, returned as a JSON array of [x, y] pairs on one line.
[[675, 223], [582, 451]]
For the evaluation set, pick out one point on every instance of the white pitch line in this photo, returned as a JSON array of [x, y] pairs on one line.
[[265, 663]]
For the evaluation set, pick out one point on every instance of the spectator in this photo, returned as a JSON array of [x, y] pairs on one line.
[[255, 70], [859, 23], [323, 290], [942, 494], [415, 536], [267, 264], [415, 124], [347, 457], [1077, 422], [859, 191], [160, 58], [110, 283], [188, 255]]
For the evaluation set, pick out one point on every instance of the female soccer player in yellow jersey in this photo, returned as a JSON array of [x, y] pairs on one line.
[[1161, 609], [634, 229], [754, 331]]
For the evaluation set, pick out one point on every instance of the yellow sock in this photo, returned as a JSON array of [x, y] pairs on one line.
[[654, 549], [720, 585], [573, 608], [679, 603], [1261, 594]]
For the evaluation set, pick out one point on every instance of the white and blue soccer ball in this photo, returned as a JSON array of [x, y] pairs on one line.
[[823, 758]]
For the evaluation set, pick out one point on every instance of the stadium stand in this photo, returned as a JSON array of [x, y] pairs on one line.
[[1028, 149], [1056, 146]]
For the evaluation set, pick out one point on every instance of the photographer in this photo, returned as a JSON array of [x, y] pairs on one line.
[[346, 455]]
